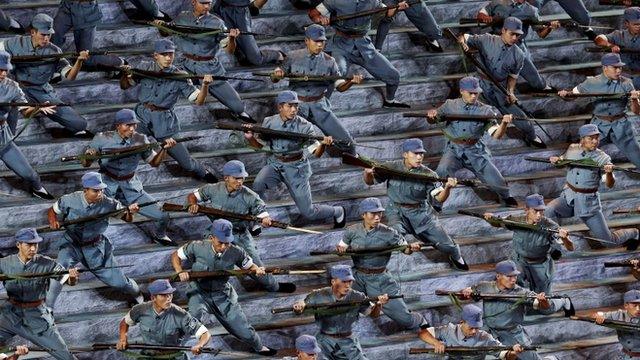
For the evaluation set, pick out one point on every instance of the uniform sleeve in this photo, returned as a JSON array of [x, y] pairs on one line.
[[366, 307], [63, 66], [133, 316], [191, 325], [204, 193], [515, 72], [602, 158], [149, 154], [19, 96], [186, 252], [347, 238], [243, 260], [585, 87], [188, 90], [396, 238], [286, 65], [334, 70], [475, 41], [62, 205], [257, 206], [615, 37], [616, 315]]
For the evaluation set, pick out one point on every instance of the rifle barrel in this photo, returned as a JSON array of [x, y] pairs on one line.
[[332, 305], [617, 264]]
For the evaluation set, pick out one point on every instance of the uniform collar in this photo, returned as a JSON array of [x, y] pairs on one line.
[[85, 203], [26, 263], [120, 139]]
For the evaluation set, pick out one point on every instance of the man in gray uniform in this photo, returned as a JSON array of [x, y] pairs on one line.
[[306, 349], [25, 314], [504, 60], [335, 334], [421, 17], [34, 77], [352, 45], [232, 196], [465, 147], [580, 196], [85, 243], [8, 23], [467, 333], [609, 114], [576, 11], [163, 323], [315, 105], [215, 295], [120, 173], [198, 52], [630, 314], [289, 162], [504, 318], [156, 100], [10, 153], [501, 9], [371, 276], [235, 14], [535, 251], [627, 39], [413, 205]]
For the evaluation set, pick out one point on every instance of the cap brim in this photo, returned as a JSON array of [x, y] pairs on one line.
[[165, 292], [539, 207], [243, 174], [32, 241], [347, 278], [591, 134], [8, 67], [321, 38], [519, 32], [513, 273], [100, 186], [475, 324], [223, 239], [47, 31], [418, 151]]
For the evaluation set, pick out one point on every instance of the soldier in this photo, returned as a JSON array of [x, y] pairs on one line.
[[504, 61], [505, 317], [315, 105], [163, 323], [335, 330], [635, 270], [465, 147], [535, 251], [8, 23], [86, 243], [352, 45], [630, 314], [235, 14], [157, 97], [420, 16], [306, 349], [20, 350], [232, 196], [371, 276], [289, 162], [198, 53], [576, 11], [215, 295], [120, 173], [609, 114], [25, 314], [34, 77], [10, 153], [626, 39], [527, 13], [467, 333], [580, 195], [413, 205]]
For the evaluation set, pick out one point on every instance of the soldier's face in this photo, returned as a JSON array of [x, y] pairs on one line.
[[305, 356], [371, 219], [3, 74], [27, 251], [412, 159], [233, 183], [219, 246], [126, 130], [164, 59], [590, 143], [40, 39], [468, 331], [200, 8], [341, 287], [506, 281], [634, 28], [314, 47], [509, 37], [469, 97], [612, 72], [93, 195], [633, 309], [534, 215], [288, 110], [162, 301]]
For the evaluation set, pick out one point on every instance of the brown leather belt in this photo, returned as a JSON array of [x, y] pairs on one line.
[[371, 271], [291, 158], [338, 335], [611, 118], [117, 177], [311, 98], [26, 83], [582, 191], [82, 243], [469, 141], [413, 206], [153, 107], [198, 58], [350, 36], [631, 353], [26, 305]]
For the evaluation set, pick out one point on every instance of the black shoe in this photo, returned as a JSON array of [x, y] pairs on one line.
[[164, 241], [253, 9], [632, 245], [340, 224], [395, 104], [459, 265], [247, 118], [571, 311], [165, 17], [57, 77], [589, 33], [537, 143], [285, 287], [510, 201], [270, 352], [44, 194], [209, 177], [20, 30], [84, 134], [256, 230], [434, 46]]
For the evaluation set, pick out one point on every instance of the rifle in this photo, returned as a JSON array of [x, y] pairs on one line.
[[467, 117], [626, 263], [620, 325], [32, 104], [494, 81], [498, 21], [626, 211], [469, 349], [123, 152], [582, 163], [108, 346], [477, 296], [304, 77], [607, 49], [511, 225], [176, 75], [235, 216], [370, 12], [54, 57], [96, 217], [365, 252], [618, 2], [194, 275], [186, 30], [383, 170], [582, 95], [334, 305], [4, 277], [242, 126]]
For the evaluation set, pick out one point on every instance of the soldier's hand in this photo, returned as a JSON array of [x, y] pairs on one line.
[[451, 183], [21, 350], [341, 248], [91, 152], [432, 113], [357, 78], [517, 348], [193, 209], [207, 79], [126, 69], [159, 22], [403, 5], [234, 33], [541, 297], [487, 216], [277, 74], [466, 293], [369, 171], [184, 276], [635, 94], [266, 221], [133, 208], [196, 349], [415, 247], [439, 347], [564, 93], [598, 317], [83, 55], [555, 24], [122, 344], [73, 274], [382, 299], [511, 98], [463, 43], [322, 20], [298, 306], [328, 140], [554, 159], [563, 233], [615, 49], [635, 263], [54, 225], [48, 110], [260, 271], [169, 143], [248, 135], [507, 119], [608, 168]]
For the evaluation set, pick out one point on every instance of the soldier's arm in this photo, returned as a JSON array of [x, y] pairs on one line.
[[123, 330], [428, 336], [445, 191], [183, 253], [75, 69], [52, 217], [231, 41], [609, 179]]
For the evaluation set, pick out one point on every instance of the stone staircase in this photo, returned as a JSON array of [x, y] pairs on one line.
[[89, 312]]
